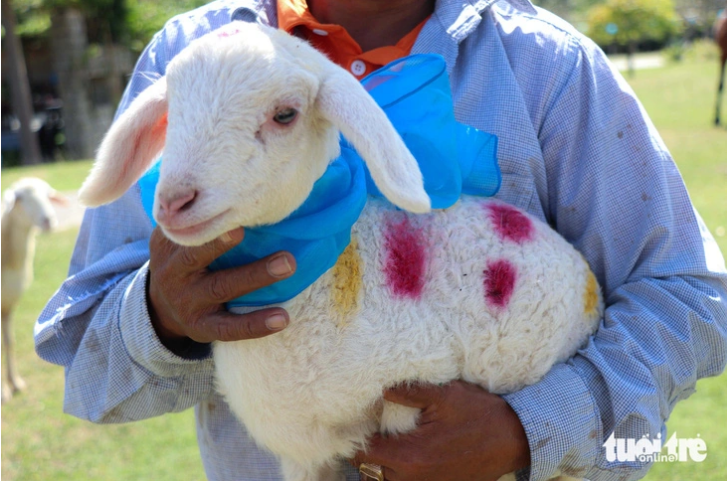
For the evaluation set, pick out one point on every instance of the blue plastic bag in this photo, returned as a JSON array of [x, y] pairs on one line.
[[454, 158]]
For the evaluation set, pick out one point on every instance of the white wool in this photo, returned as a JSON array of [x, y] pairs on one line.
[[312, 393]]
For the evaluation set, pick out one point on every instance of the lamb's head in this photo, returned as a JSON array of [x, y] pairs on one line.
[[242, 148], [30, 202], [248, 119]]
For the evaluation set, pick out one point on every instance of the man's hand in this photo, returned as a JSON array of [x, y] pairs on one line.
[[186, 300], [464, 433]]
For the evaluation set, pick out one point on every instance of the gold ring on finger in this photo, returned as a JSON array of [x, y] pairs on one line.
[[371, 471]]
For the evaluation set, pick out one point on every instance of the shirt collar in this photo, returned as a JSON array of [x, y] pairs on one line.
[[452, 19], [297, 14], [457, 17]]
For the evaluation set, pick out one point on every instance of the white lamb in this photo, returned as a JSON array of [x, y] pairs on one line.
[[480, 292], [27, 208]]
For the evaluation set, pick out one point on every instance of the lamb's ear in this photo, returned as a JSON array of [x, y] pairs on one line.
[[343, 101], [57, 198], [8, 200], [128, 148]]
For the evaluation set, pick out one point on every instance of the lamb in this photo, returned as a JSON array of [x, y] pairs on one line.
[[480, 292], [27, 208]]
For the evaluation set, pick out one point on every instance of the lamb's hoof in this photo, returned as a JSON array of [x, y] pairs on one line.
[[18, 384]]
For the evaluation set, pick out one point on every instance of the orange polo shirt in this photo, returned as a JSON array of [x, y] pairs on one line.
[[336, 43]]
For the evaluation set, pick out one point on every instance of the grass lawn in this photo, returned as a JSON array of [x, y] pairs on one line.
[[40, 443], [63, 176]]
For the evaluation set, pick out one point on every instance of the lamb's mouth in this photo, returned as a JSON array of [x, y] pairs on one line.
[[190, 235]]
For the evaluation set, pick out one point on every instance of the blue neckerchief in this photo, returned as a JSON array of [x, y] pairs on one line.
[[454, 159]]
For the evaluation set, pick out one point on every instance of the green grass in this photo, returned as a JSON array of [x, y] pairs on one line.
[[63, 176], [41, 443]]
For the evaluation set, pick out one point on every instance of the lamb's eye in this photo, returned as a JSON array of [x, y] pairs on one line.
[[285, 116]]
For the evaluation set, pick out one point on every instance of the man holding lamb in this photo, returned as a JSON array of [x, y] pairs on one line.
[[575, 150]]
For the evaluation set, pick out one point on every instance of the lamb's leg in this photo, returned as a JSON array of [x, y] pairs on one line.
[[7, 392], [397, 418], [293, 471], [14, 382]]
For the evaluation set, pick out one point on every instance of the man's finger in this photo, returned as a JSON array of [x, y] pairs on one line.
[[228, 284], [415, 395], [373, 455], [387, 452], [225, 326], [199, 257]]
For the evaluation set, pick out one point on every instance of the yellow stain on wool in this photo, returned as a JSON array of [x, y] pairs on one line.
[[590, 295], [347, 283]]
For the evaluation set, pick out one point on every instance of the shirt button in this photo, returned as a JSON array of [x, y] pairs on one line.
[[358, 67], [320, 32]]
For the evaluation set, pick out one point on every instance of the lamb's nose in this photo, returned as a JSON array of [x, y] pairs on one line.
[[171, 205]]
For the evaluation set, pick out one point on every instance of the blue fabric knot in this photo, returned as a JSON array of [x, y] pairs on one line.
[[454, 159]]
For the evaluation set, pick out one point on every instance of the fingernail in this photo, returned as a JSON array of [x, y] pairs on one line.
[[279, 266], [276, 322], [229, 238]]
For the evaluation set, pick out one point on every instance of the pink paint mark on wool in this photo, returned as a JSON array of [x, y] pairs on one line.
[[510, 223], [406, 258], [499, 282], [228, 32]]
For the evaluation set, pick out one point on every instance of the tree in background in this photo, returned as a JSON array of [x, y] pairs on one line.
[[19, 88], [699, 15], [146, 17], [81, 33], [628, 22], [127, 22]]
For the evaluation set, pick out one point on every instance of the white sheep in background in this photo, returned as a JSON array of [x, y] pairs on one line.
[[480, 292], [27, 208]]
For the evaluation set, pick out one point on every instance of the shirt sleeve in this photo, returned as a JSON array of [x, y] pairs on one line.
[[97, 325], [614, 192]]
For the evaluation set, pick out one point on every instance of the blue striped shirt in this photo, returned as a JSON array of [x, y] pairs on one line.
[[576, 150]]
